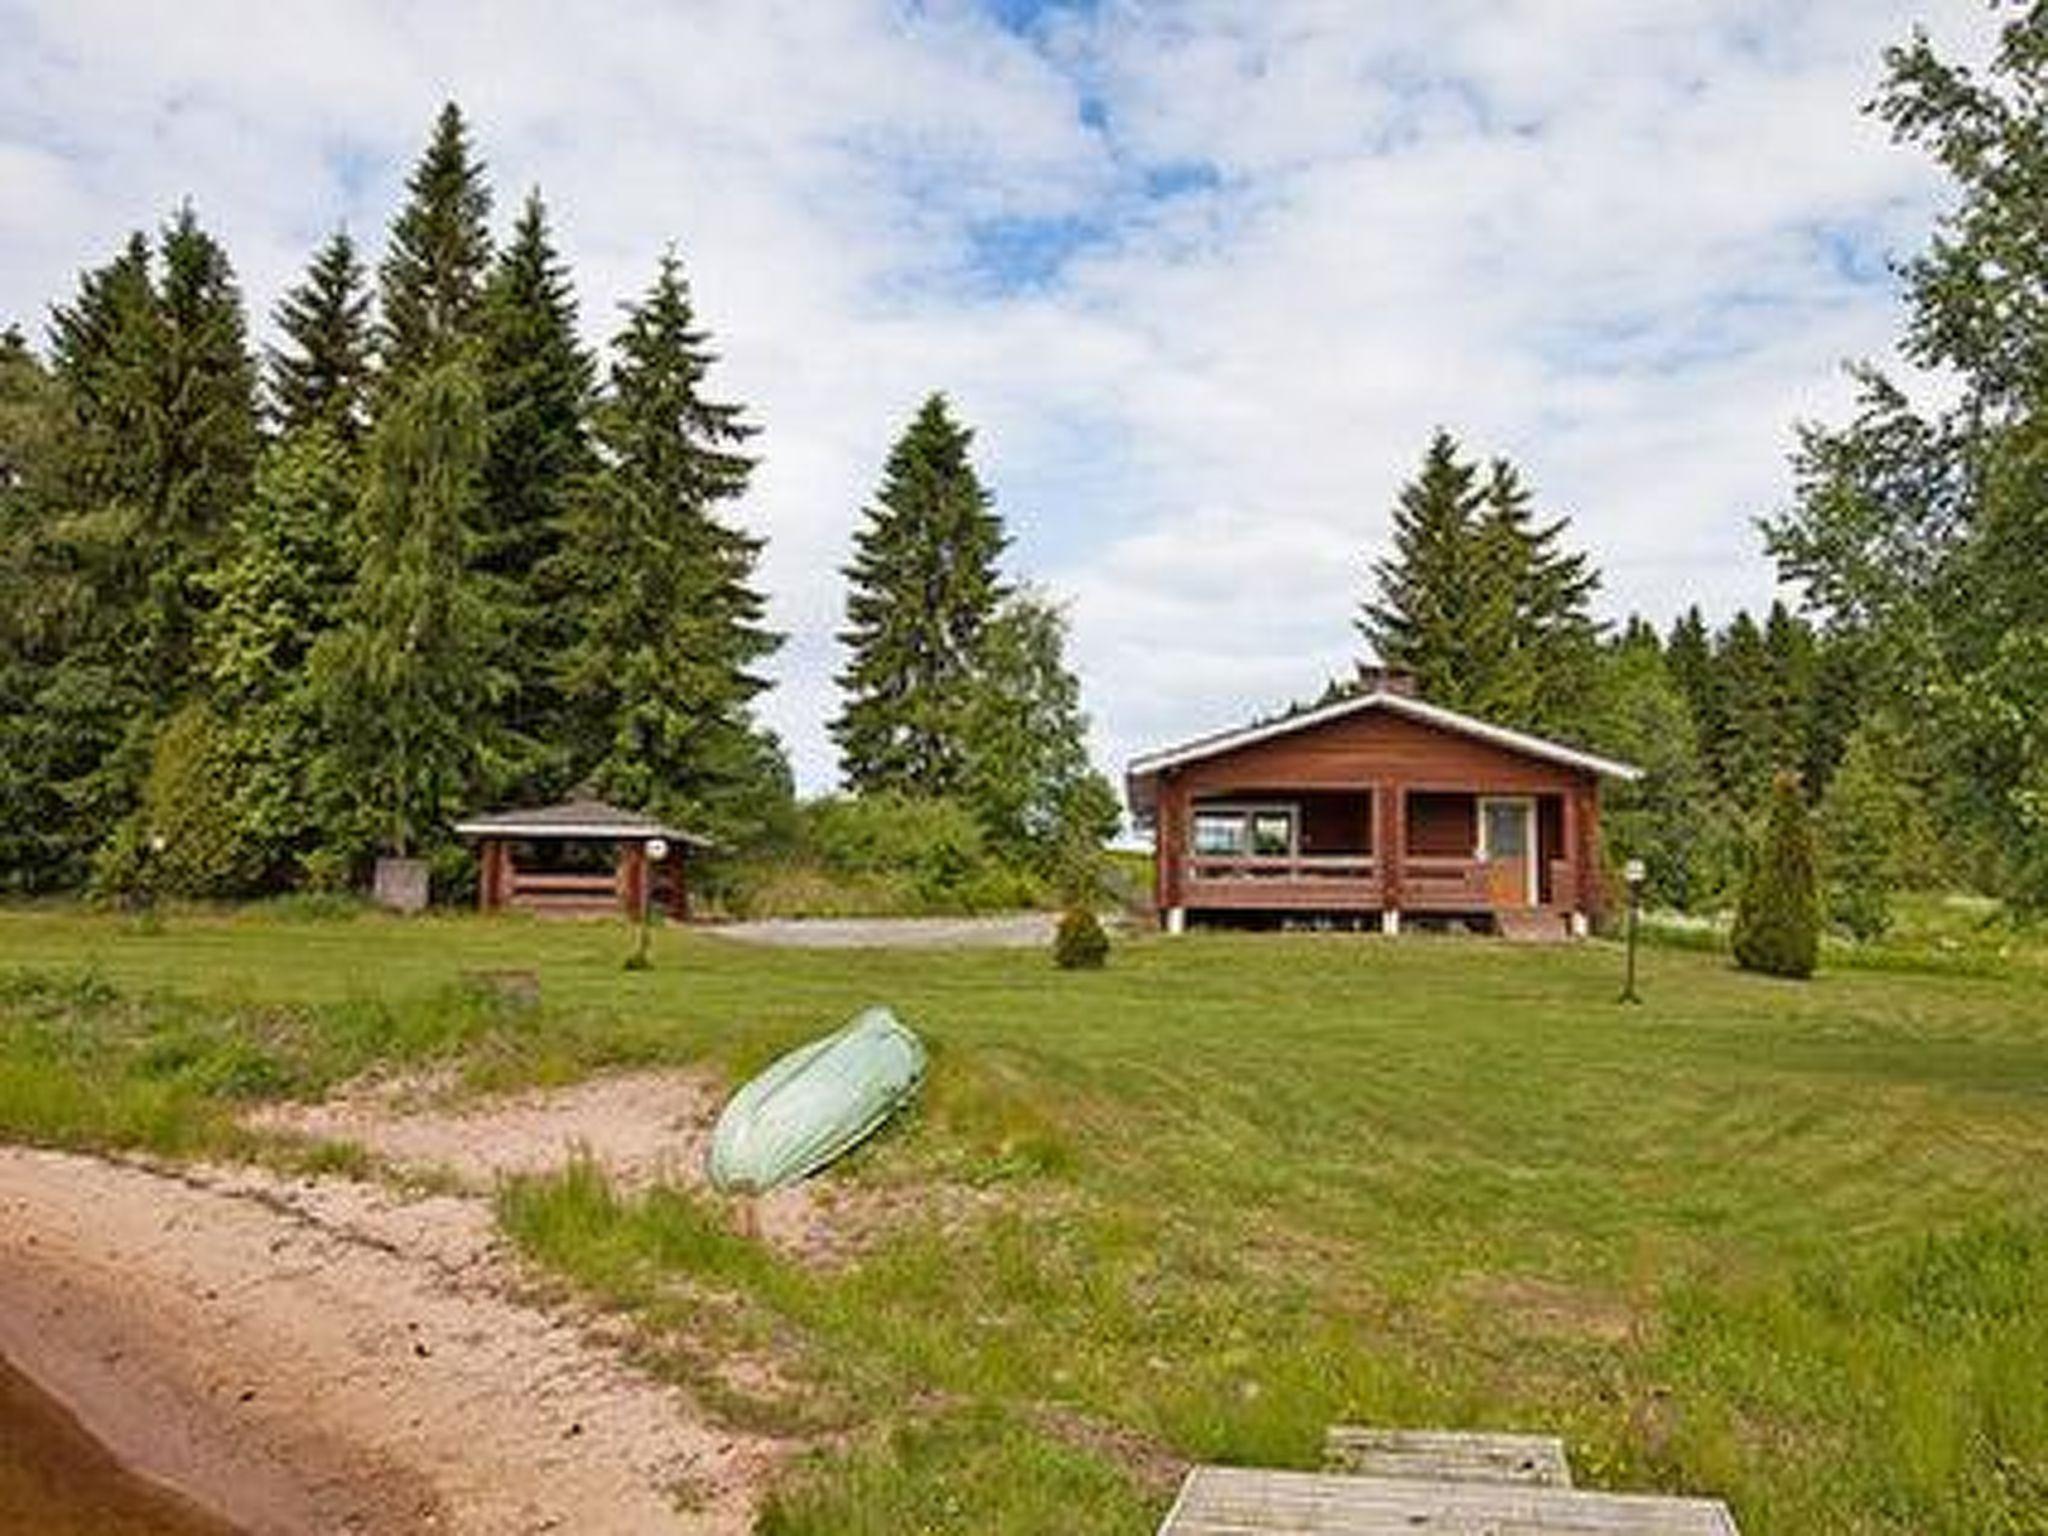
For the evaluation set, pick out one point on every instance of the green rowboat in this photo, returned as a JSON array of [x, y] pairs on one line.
[[815, 1104]]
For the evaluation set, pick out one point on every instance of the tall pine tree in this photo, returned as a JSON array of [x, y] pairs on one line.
[[923, 589], [1544, 672], [1438, 611], [320, 375], [1750, 748], [279, 589], [153, 446], [660, 679], [1481, 602], [1689, 657], [430, 285], [537, 381]]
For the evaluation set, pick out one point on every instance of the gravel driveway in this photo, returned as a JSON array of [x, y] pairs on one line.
[[1013, 930]]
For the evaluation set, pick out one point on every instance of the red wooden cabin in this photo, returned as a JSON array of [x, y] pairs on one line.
[[1372, 807]]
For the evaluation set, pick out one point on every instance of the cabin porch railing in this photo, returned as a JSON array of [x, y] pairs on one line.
[[1304, 866], [1426, 882], [1309, 881]]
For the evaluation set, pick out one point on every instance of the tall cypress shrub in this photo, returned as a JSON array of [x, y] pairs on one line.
[[1777, 921]]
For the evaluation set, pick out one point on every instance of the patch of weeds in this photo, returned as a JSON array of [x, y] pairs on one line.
[[1912, 1385], [995, 1121], [978, 1469], [309, 907]]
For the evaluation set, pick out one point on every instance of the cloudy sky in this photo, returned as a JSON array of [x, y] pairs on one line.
[[1203, 275]]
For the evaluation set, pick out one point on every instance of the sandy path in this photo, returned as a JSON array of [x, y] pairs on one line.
[[324, 1356]]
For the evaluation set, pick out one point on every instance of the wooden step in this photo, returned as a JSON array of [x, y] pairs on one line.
[[1533, 927], [1446, 1455], [1246, 1501]]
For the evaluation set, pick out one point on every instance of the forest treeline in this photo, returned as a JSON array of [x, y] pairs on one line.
[[262, 619]]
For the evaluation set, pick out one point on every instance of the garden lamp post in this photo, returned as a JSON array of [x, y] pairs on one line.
[[656, 850], [152, 855], [1634, 873]]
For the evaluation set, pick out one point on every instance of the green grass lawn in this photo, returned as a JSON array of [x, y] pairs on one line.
[[1783, 1242]]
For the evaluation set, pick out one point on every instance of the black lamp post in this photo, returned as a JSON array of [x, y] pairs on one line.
[[1634, 873]]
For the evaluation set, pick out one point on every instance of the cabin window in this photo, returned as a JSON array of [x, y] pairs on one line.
[[1266, 832], [1272, 834], [1219, 832]]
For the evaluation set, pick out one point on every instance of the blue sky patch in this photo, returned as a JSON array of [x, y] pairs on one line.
[[1026, 252]]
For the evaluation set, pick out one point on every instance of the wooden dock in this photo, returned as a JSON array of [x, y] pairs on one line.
[[1389, 1482], [1437, 1456]]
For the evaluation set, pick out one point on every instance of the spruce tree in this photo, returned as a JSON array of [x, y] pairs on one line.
[[205, 411], [1689, 656], [660, 679], [154, 445], [1751, 747], [31, 624], [537, 381], [279, 590], [321, 375], [923, 589], [1438, 609], [1543, 674], [430, 284], [407, 684], [1794, 667], [1777, 921], [1481, 602]]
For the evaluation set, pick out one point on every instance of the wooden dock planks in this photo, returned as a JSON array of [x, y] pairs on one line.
[[1244, 1501], [1457, 1456]]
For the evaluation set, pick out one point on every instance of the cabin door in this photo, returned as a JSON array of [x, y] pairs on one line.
[[1507, 847]]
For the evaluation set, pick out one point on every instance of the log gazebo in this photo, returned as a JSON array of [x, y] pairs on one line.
[[581, 858]]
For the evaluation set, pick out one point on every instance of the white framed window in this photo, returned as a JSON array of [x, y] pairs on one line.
[[1238, 831], [1219, 833]]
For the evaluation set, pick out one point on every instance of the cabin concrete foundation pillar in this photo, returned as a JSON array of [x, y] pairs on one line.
[[1579, 926], [1176, 919], [1390, 920]]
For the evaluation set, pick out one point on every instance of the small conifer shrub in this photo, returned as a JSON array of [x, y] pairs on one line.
[[1777, 921], [1080, 944]]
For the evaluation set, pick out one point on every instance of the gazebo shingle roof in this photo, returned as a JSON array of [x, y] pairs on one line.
[[581, 817]]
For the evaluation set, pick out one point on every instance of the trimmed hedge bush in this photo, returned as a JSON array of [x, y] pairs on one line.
[[1080, 944]]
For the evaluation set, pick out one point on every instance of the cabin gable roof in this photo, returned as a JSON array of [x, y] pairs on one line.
[[1147, 767]]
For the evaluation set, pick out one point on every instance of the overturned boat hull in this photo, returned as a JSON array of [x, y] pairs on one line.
[[815, 1104]]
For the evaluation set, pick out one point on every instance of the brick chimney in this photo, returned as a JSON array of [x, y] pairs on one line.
[[1388, 680]]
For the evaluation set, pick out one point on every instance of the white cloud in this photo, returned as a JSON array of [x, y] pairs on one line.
[[1603, 237]]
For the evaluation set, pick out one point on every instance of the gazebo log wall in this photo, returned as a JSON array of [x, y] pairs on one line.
[[503, 886]]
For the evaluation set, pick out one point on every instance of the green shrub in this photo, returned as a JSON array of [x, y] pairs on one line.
[[185, 840], [1079, 944], [921, 855], [1777, 921]]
